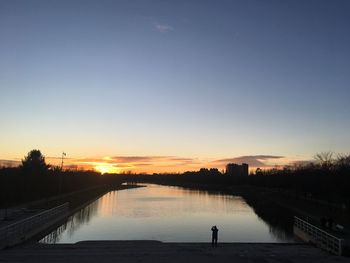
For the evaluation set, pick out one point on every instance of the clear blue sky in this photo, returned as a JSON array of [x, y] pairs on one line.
[[200, 79]]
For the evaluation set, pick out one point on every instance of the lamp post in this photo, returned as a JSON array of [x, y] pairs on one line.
[[63, 155], [61, 175]]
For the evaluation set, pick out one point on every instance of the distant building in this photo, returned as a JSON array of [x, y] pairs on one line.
[[236, 169]]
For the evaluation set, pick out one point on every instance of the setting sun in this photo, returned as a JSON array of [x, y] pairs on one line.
[[106, 168]]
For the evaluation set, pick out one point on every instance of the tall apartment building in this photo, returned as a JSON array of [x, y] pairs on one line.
[[236, 169]]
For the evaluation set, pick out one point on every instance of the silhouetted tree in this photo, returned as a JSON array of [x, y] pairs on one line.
[[325, 159], [258, 172], [34, 164], [343, 162]]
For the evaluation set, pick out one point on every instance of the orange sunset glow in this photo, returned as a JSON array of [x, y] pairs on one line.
[[173, 164], [106, 168], [164, 164]]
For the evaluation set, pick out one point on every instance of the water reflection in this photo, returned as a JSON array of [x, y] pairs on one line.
[[170, 214], [73, 223], [278, 218]]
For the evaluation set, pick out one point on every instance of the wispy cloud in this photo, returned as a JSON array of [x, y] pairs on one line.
[[159, 163], [139, 163], [134, 159], [163, 28], [9, 163], [252, 160]]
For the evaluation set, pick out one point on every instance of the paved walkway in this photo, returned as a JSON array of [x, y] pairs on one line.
[[154, 251]]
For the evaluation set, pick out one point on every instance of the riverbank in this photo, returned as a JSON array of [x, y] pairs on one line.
[[36, 226], [76, 200], [154, 251], [77, 203]]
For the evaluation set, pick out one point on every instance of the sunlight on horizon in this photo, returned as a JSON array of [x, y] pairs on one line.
[[104, 168], [163, 164]]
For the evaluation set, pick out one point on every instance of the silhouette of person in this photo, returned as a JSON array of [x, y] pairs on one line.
[[214, 236]]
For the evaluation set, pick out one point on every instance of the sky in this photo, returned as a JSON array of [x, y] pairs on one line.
[[153, 86]]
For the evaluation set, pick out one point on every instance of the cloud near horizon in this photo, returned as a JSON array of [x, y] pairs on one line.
[[151, 164], [251, 160], [9, 163], [138, 163], [135, 159]]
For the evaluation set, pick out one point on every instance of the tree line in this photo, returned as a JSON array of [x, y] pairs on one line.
[[327, 179], [35, 180]]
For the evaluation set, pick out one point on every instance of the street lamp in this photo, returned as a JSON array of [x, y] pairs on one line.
[[63, 155], [61, 174]]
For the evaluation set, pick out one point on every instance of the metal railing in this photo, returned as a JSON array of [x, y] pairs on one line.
[[21, 228], [320, 237]]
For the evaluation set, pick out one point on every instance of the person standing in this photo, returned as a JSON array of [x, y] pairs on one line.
[[214, 236]]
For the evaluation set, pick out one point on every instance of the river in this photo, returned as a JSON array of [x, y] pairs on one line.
[[169, 214]]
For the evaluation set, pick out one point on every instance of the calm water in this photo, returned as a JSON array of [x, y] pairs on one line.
[[166, 214]]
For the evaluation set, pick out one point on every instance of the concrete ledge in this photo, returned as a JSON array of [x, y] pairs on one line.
[[155, 251]]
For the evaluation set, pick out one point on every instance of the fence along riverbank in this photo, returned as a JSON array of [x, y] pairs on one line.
[[27, 228], [310, 233]]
